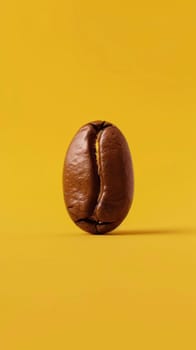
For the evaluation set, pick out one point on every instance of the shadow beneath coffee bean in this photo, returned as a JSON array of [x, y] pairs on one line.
[[153, 231]]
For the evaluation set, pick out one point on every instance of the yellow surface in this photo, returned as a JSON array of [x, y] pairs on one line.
[[62, 64]]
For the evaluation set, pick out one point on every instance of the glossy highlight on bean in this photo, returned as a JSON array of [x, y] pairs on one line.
[[98, 180]]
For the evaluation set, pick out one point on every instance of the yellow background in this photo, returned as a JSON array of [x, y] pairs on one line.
[[62, 64]]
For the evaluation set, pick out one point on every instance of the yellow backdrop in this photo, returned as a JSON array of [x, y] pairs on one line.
[[62, 64]]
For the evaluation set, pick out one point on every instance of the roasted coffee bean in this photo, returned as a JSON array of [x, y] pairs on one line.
[[98, 177]]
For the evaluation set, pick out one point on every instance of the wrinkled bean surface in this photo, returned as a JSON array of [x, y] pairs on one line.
[[98, 177]]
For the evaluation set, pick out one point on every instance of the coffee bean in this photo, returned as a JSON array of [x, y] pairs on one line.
[[98, 177]]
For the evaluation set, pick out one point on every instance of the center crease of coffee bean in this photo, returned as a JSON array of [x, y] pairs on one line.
[[93, 218]]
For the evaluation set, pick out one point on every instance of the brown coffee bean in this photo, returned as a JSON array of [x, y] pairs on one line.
[[98, 177]]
